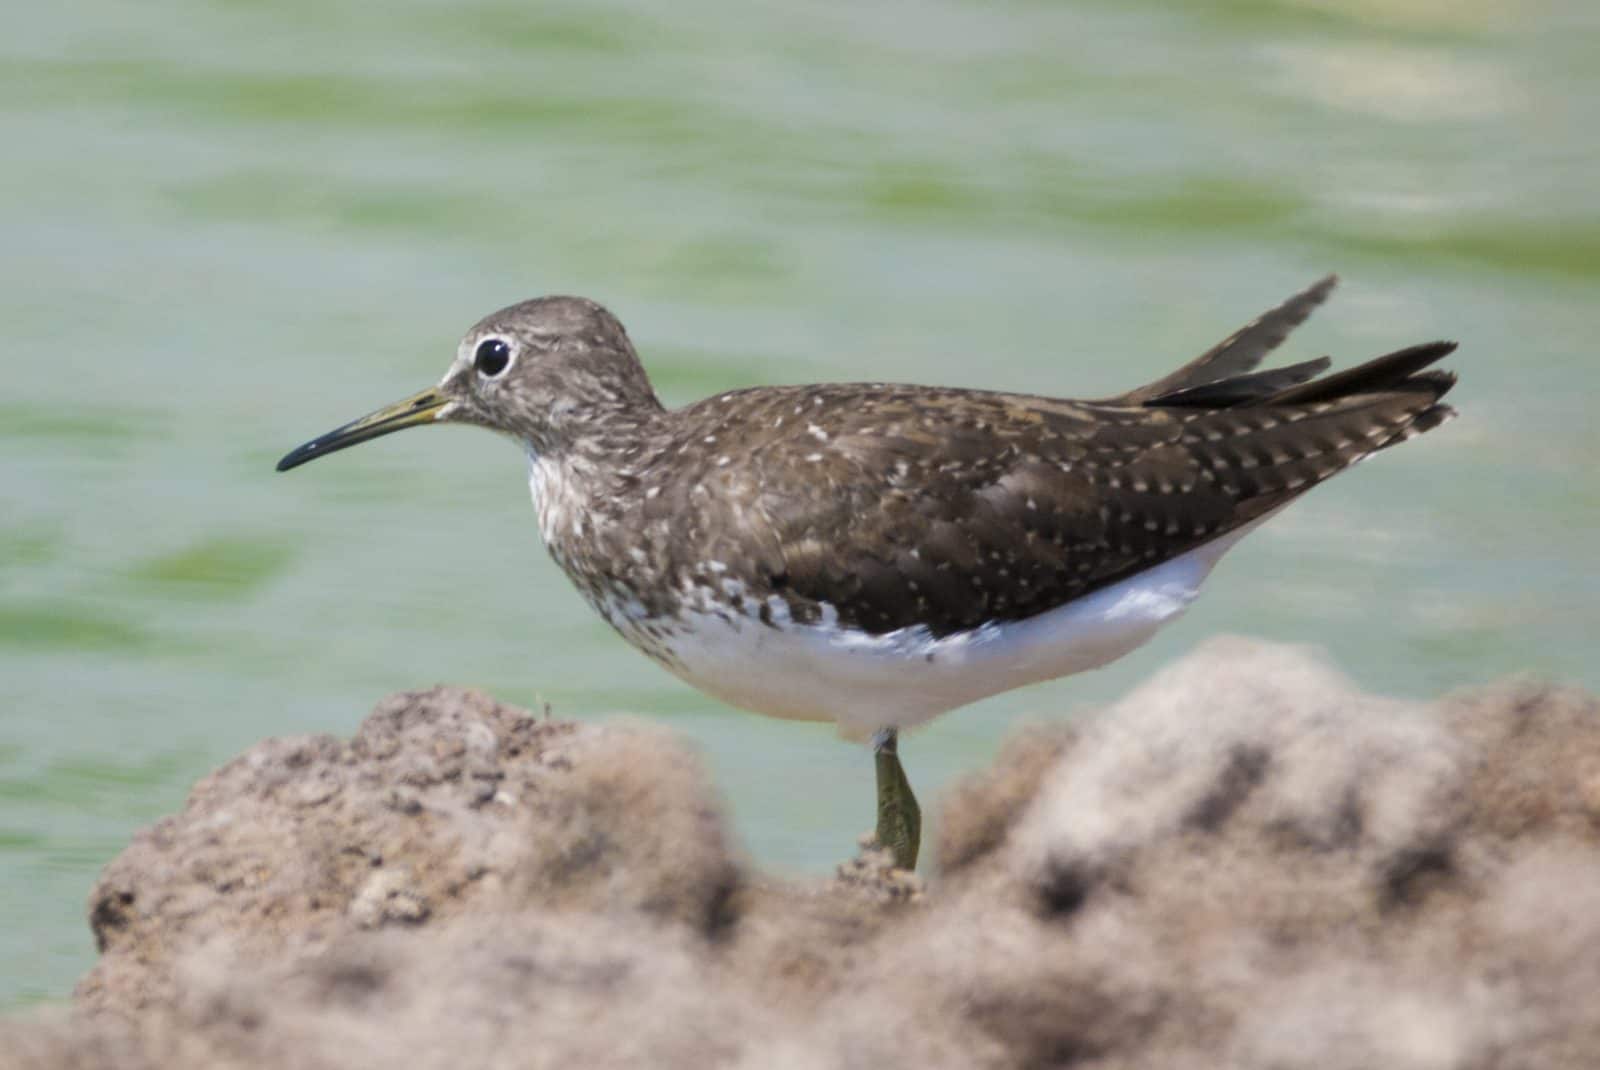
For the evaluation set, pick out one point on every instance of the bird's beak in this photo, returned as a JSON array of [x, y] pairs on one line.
[[425, 408]]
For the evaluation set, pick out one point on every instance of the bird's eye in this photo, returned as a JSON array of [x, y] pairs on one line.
[[492, 357]]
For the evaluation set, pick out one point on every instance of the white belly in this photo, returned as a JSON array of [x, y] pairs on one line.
[[904, 678]]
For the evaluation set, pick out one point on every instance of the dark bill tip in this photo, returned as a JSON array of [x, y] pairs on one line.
[[422, 408]]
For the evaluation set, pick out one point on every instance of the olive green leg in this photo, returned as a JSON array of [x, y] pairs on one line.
[[899, 817]]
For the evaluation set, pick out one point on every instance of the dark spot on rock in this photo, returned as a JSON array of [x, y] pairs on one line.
[[110, 914], [722, 912], [351, 982], [1414, 874], [1245, 768], [1063, 888], [404, 803]]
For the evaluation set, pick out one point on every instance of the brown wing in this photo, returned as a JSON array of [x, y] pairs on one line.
[[952, 510]]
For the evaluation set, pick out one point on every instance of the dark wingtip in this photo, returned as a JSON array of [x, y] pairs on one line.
[[1242, 389], [1393, 371]]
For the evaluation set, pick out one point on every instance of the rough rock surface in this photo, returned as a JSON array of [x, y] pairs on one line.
[[1245, 863]]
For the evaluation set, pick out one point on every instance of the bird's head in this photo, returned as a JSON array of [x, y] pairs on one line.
[[545, 371]]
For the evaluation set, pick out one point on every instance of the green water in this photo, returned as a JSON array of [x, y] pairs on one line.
[[226, 227]]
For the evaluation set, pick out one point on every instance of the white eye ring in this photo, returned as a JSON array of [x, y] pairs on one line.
[[492, 357]]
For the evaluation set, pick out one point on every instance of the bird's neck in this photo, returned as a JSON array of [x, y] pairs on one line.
[[588, 473], [593, 417]]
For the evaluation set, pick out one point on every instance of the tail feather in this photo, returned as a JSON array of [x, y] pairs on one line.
[[1268, 436], [1241, 351], [1396, 371], [1436, 384], [1241, 389]]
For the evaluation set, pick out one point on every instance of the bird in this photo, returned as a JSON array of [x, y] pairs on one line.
[[878, 554]]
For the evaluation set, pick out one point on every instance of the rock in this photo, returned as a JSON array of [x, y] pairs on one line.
[[1245, 863], [444, 803], [872, 873]]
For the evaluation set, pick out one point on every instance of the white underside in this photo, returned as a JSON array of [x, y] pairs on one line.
[[905, 678]]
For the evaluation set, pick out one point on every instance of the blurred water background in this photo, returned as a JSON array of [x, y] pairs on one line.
[[228, 226]]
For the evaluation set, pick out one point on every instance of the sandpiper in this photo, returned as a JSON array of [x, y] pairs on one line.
[[877, 554]]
